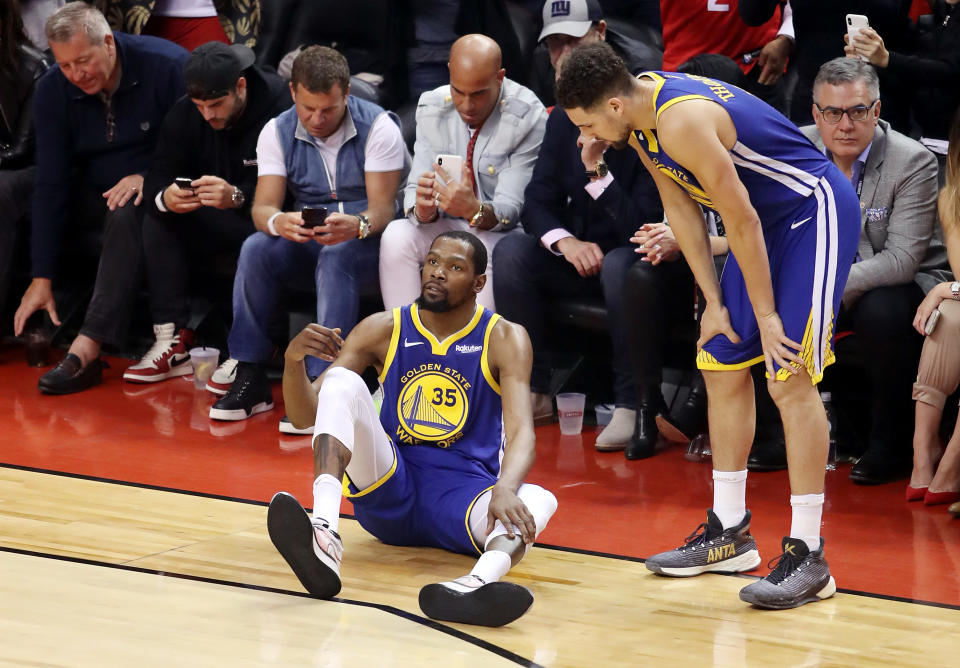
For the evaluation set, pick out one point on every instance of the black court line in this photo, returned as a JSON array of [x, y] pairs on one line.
[[548, 546], [423, 621]]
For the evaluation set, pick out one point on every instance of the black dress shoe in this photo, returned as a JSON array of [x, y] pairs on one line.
[[645, 432], [768, 454], [71, 376], [877, 467], [687, 420]]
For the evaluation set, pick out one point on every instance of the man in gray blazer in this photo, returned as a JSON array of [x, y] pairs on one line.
[[496, 126], [900, 254]]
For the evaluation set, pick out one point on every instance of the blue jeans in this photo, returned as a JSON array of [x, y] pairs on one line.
[[270, 266]]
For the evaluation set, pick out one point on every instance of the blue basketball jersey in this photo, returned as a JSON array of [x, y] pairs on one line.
[[441, 404], [777, 164]]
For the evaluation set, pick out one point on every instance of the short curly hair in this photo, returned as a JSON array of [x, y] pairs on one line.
[[593, 73], [318, 68]]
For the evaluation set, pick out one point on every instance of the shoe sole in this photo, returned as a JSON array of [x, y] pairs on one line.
[[288, 428], [494, 604], [173, 373], [239, 413], [291, 532], [219, 390], [745, 562], [825, 592], [59, 391], [671, 433], [609, 447]]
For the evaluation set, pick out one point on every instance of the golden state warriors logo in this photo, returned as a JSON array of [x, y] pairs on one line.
[[432, 406]]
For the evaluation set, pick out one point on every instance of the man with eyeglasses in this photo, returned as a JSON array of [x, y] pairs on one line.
[[97, 118], [900, 254]]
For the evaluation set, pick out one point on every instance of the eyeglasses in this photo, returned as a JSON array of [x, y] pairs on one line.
[[858, 113]]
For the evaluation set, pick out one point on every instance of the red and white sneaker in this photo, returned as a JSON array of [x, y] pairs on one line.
[[223, 377], [168, 357]]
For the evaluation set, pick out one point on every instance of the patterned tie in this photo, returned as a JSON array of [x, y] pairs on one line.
[[473, 142]]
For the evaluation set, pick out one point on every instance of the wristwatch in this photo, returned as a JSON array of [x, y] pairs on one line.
[[955, 290], [237, 198], [601, 170], [364, 231], [477, 217]]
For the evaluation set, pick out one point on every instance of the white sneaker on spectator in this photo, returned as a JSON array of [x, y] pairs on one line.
[[223, 377], [168, 357]]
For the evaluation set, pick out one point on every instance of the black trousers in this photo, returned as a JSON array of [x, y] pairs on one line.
[[178, 246], [16, 188], [528, 276], [655, 300], [882, 322]]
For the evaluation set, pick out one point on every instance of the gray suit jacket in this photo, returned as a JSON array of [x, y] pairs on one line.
[[503, 156], [900, 238]]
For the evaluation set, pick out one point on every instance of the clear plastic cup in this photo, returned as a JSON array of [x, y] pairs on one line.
[[204, 361], [604, 414], [570, 410]]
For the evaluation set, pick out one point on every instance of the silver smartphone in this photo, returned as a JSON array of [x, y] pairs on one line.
[[452, 165], [856, 23], [932, 322]]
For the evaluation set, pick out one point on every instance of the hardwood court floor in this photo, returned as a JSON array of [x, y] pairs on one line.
[[590, 608]]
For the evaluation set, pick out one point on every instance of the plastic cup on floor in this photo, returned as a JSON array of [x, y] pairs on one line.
[[570, 410], [604, 414], [204, 361]]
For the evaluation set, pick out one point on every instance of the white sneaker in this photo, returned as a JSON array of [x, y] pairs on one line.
[[168, 357], [286, 427], [311, 549], [223, 377]]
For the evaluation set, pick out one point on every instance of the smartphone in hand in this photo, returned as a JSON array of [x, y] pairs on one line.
[[856, 23], [185, 184], [314, 216], [932, 321], [452, 165]]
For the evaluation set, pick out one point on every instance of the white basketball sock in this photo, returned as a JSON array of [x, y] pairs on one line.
[[807, 513], [729, 496], [327, 492], [492, 565]]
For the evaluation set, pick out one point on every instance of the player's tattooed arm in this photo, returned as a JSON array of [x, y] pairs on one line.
[[511, 359]]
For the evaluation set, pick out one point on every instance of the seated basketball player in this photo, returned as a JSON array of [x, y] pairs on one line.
[[444, 463]]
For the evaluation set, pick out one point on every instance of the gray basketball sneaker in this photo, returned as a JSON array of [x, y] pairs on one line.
[[800, 576], [710, 549]]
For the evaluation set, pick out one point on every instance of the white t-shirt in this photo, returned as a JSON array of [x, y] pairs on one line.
[[385, 150], [184, 9]]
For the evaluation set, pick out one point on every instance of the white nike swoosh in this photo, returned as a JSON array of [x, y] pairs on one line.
[[799, 223], [408, 344]]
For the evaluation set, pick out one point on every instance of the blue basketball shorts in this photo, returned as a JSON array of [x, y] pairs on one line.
[[810, 253]]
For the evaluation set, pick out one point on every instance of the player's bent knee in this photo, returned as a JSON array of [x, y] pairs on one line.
[[341, 382], [541, 503]]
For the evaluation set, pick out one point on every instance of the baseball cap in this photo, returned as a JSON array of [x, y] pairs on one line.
[[213, 68], [569, 17]]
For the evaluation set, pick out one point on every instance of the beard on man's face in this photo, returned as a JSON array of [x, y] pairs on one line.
[[440, 305]]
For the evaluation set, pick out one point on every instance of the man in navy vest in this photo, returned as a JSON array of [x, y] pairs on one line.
[[341, 157]]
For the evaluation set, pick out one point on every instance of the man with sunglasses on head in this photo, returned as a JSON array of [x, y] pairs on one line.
[[900, 255]]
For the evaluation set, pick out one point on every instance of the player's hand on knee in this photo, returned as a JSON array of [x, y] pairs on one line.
[[507, 507], [776, 345], [315, 340], [715, 321]]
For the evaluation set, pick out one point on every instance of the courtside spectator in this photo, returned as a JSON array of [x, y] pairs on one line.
[[343, 158], [209, 138], [189, 23], [21, 65], [693, 27], [495, 127], [900, 255], [97, 115]]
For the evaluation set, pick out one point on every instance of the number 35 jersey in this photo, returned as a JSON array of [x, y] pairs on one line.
[[441, 404]]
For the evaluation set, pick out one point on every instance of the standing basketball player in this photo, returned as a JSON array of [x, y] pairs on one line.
[[792, 221], [444, 463]]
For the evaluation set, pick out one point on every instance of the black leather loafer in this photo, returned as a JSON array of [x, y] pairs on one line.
[[71, 376]]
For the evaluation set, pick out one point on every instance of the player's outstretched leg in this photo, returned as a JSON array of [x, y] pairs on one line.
[[310, 547], [800, 576], [710, 549], [480, 598]]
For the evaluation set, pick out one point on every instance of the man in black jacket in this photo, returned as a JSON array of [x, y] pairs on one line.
[[209, 138], [578, 219]]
